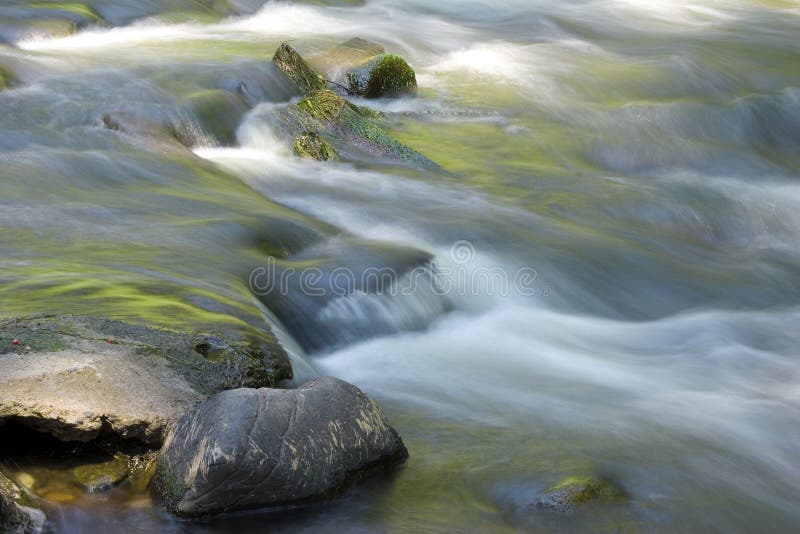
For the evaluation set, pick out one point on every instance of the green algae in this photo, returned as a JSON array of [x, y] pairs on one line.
[[311, 146], [83, 11], [219, 113]]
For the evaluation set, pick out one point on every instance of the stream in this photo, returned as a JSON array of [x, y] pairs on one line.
[[614, 232]]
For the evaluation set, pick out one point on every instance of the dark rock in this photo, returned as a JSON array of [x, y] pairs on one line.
[[15, 517], [254, 448]]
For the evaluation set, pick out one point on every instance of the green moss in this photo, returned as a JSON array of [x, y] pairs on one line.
[[6, 78], [323, 105], [294, 67], [386, 75], [100, 476], [312, 146]]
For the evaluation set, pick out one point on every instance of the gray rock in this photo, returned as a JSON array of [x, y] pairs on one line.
[[15, 518], [255, 448], [76, 377]]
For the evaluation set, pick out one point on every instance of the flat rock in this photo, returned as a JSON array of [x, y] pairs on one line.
[[77, 378], [255, 448]]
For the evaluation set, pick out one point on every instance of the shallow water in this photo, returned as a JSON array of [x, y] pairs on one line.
[[636, 161]]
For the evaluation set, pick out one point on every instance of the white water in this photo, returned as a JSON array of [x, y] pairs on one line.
[[642, 158]]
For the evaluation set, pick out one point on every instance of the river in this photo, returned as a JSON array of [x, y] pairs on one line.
[[616, 228]]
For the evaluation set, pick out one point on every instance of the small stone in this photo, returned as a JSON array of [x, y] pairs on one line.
[[25, 479], [15, 341], [574, 492]]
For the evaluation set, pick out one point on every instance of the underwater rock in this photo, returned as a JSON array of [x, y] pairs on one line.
[[101, 476], [219, 113], [82, 377], [15, 517], [6, 78], [573, 492], [253, 448], [384, 76], [294, 67], [312, 146]]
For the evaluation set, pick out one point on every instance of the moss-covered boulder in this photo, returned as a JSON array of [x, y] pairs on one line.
[[310, 145], [218, 114], [294, 67], [570, 494], [334, 63], [16, 516], [349, 129], [383, 76]]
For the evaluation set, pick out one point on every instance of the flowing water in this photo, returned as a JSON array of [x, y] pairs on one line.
[[615, 233]]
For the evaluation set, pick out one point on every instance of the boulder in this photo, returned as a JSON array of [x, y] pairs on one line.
[[363, 68], [383, 76], [350, 129], [256, 448], [77, 378], [15, 517], [572, 493]]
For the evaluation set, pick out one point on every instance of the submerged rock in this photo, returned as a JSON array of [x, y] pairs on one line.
[[101, 476], [76, 378], [385, 75], [571, 493], [253, 448], [310, 145], [294, 67], [6, 78], [219, 113], [15, 517]]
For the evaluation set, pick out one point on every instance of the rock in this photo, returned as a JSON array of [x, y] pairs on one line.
[[294, 67], [77, 386], [345, 302], [571, 493], [15, 517], [101, 476], [6, 78], [254, 448], [219, 113], [310, 145], [349, 129], [384, 76], [336, 62]]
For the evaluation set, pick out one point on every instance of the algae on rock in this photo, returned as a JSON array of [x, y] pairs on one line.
[[386, 75], [572, 493], [311, 146], [294, 67]]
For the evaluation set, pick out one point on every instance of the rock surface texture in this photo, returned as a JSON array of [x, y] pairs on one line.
[[254, 448], [77, 378]]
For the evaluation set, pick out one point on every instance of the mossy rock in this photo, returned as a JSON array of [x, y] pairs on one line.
[[383, 76], [311, 146], [101, 476], [335, 62], [573, 493], [348, 128], [294, 67]]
